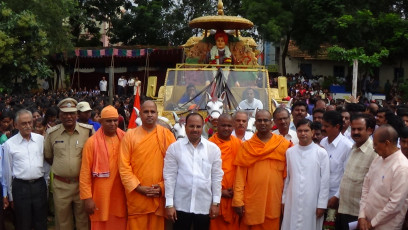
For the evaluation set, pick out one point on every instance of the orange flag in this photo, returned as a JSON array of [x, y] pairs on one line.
[[136, 104]]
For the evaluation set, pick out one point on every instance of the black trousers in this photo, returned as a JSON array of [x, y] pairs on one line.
[[30, 204], [185, 220], [342, 221]]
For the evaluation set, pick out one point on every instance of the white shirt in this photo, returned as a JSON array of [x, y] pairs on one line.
[[131, 82], [256, 104], [248, 135], [338, 152], [24, 159], [103, 84], [290, 136], [192, 176], [3, 181], [122, 82]]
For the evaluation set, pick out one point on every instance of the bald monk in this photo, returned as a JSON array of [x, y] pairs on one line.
[[261, 170], [141, 164], [229, 145], [99, 182]]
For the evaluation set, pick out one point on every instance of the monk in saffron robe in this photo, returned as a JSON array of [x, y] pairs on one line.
[[229, 145], [141, 164], [99, 182], [259, 180]]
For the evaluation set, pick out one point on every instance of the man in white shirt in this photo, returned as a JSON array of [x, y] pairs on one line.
[[121, 85], [241, 125], [192, 178], [338, 148], [306, 188], [103, 86], [24, 172], [130, 86], [281, 117], [250, 103], [299, 111]]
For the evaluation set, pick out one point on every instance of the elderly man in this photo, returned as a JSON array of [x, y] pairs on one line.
[[99, 182], [229, 146], [261, 170], [193, 174], [141, 163], [63, 151], [384, 198], [240, 126], [281, 117], [361, 156], [24, 172], [307, 183]]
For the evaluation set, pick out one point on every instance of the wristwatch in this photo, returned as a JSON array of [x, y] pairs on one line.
[[216, 204], [169, 206]]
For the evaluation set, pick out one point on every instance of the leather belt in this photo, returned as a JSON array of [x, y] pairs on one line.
[[68, 180], [28, 181]]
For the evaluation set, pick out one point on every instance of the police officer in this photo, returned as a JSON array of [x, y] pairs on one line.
[[63, 151]]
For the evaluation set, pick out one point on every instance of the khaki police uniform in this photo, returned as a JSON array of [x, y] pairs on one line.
[[66, 151]]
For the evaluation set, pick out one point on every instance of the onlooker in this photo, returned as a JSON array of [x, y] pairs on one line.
[[84, 115], [299, 111], [103, 86], [251, 104], [121, 85], [317, 135], [318, 115]]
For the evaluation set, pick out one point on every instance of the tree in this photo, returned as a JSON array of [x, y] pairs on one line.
[[53, 16], [23, 49]]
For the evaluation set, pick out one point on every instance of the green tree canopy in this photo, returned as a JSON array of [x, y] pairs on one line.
[[23, 48]]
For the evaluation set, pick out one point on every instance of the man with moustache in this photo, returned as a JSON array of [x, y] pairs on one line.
[[229, 146], [281, 118], [384, 200], [261, 170], [361, 156], [404, 141], [63, 151], [192, 175], [141, 161], [299, 111], [241, 124], [24, 172], [317, 135], [338, 147]]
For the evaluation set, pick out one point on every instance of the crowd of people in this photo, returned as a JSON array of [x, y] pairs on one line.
[[316, 165]]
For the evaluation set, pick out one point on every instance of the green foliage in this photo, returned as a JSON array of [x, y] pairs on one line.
[[23, 48], [53, 16]]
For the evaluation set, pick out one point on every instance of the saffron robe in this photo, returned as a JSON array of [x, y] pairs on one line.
[[141, 162], [227, 218], [108, 193], [261, 170]]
